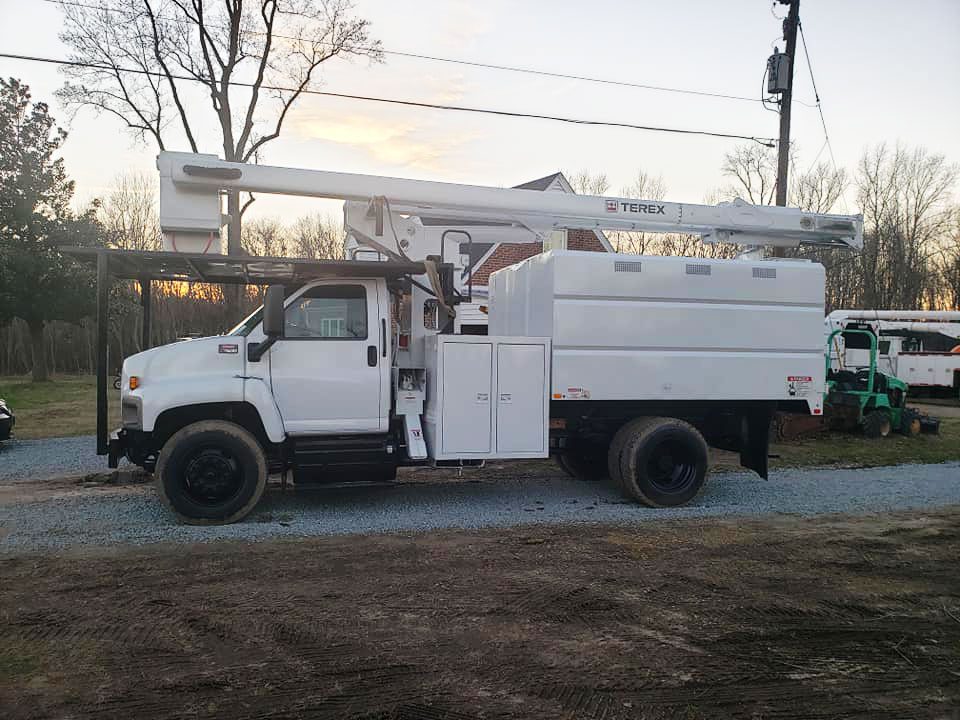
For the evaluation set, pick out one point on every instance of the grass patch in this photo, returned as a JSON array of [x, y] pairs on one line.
[[851, 449], [61, 407]]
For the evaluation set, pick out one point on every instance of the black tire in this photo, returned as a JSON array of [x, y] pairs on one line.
[[620, 440], [212, 472], [584, 462], [876, 424], [663, 462]]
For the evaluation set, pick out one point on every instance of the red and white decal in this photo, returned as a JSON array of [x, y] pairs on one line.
[[229, 349], [799, 385]]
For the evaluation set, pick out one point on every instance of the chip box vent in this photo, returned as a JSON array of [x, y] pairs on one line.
[[697, 269], [627, 266], [765, 273]]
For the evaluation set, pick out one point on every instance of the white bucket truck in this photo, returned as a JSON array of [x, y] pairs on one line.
[[621, 366]]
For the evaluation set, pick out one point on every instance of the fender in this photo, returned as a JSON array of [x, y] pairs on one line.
[[257, 393], [171, 392]]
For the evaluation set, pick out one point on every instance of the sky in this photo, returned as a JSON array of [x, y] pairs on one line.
[[886, 70]]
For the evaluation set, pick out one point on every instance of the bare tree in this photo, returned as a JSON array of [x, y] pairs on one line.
[[753, 169], [905, 197], [584, 182], [948, 265], [645, 186], [141, 60], [819, 189], [266, 237], [319, 237], [129, 212]]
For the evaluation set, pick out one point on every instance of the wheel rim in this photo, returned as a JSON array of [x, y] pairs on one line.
[[212, 477], [672, 466]]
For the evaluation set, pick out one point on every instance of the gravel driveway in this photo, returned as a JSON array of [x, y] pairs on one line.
[[22, 460], [136, 516]]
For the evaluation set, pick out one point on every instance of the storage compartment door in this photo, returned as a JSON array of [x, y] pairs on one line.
[[521, 388], [466, 414]]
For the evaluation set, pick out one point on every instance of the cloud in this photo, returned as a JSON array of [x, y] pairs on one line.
[[386, 140]]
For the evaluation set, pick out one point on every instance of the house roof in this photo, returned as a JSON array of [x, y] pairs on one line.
[[542, 183]]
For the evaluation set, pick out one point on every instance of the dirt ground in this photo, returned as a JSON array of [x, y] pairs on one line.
[[853, 617]]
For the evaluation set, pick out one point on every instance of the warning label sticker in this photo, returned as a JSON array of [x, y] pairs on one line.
[[575, 393], [799, 385]]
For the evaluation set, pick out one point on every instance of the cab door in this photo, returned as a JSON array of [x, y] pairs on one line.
[[328, 372]]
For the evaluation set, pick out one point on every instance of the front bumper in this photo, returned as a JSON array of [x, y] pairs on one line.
[[116, 448], [137, 446]]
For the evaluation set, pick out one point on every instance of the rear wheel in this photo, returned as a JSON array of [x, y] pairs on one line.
[[586, 462], [212, 472], [620, 440], [876, 424], [663, 461]]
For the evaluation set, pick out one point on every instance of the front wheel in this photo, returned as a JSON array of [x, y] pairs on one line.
[[212, 472]]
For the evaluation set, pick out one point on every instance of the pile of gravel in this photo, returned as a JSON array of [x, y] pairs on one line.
[[139, 517]]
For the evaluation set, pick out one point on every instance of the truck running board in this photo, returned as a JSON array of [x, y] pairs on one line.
[[322, 451]]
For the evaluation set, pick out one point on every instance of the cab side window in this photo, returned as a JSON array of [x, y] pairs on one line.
[[328, 312]]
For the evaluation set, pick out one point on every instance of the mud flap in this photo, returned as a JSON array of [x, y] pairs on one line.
[[756, 441]]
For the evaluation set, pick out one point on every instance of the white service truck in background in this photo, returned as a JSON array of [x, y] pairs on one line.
[[921, 347], [622, 366]]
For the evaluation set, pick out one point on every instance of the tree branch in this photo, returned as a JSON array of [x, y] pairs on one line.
[[166, 71]]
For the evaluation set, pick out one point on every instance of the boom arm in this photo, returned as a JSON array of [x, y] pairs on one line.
[[189, 202]]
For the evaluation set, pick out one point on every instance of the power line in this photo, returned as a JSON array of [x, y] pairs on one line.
[[394, 101], [823, 121], [471, 63], [816, 95]]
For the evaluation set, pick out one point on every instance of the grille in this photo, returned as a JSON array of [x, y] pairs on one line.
[[765, 273], [627, 266], [698, 269]]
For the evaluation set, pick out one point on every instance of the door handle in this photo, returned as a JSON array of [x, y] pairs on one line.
[[372, 355]]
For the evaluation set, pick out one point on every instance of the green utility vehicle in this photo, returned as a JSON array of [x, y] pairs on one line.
[[867, 398]]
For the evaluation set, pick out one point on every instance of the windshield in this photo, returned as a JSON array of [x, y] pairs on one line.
[[248, 323]]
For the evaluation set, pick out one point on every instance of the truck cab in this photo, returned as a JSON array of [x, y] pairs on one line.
[[324, 370]]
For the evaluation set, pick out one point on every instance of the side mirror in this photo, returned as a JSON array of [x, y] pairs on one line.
[[273, 324]]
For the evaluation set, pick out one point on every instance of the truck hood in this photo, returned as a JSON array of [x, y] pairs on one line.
[[214, 356]]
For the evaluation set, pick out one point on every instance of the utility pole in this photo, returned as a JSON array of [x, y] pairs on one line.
[[790, 24]]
